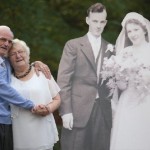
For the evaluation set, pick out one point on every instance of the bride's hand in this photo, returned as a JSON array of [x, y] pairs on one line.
[[122, 85]]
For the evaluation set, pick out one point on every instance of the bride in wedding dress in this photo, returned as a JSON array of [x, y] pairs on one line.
[[131, 120]]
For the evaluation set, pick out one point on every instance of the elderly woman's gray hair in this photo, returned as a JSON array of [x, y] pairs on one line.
[[23, 44]]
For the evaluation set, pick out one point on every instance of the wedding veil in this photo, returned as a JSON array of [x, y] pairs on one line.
[[122, 40]]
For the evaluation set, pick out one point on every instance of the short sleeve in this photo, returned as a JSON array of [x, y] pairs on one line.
[[53, 86]]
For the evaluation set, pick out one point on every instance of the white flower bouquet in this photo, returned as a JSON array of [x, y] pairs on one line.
[[125, 68]]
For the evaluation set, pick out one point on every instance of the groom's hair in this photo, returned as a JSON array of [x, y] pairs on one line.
[[96, 8]]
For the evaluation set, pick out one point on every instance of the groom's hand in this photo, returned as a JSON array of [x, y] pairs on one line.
[[67, 120]]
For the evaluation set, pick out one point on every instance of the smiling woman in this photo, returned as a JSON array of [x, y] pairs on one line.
[[131, 118], [19, 58], [136, 31], [40, 90]]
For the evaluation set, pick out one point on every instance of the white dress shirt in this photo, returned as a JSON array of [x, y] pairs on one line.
[[96, 44]]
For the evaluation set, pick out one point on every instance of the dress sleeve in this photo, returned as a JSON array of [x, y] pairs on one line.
[[53, 86]]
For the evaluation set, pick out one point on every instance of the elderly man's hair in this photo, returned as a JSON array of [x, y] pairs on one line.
[[3, 27]]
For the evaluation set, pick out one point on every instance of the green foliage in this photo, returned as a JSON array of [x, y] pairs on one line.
[[45, 25]]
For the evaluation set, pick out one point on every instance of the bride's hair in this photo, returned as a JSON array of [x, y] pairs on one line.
[[137, 22], [134, 18]]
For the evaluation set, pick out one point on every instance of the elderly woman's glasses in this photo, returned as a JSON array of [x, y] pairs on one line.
[[20, 52]]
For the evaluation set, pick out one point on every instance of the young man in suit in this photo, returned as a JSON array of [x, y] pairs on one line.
[[85, 108]]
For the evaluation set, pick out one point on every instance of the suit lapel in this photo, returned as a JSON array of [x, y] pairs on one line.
[[101, 54], [104, 53], [86, 48]]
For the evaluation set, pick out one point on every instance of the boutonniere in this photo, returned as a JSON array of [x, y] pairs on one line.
[[110, 48]]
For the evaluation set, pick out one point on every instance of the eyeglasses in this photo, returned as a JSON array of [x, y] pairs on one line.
[[20, 52], [3, 40]]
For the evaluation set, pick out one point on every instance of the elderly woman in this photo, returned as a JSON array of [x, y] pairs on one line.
[[32, 131]]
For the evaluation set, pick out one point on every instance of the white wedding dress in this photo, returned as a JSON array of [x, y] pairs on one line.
[[131, 121]]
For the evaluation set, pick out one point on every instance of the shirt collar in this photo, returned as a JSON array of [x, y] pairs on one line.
[[1, 60], [93, 38]]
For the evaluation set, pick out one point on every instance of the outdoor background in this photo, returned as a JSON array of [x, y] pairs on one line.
[[46, 25]]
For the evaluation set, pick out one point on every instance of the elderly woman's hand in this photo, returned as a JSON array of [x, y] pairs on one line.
[[40, 110], [40, 66]]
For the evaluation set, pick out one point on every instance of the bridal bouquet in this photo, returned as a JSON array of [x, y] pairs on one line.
[[125, 68]]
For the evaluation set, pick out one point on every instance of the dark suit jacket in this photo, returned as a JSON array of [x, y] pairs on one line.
[[77, 79]]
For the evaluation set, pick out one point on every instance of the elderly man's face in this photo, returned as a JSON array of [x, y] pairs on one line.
[[6, 38]]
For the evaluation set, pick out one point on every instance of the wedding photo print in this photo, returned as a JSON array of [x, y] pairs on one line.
[[75, 75]]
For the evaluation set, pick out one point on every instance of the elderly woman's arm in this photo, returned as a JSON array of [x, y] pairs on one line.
[[44, 110], [52, 106]]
